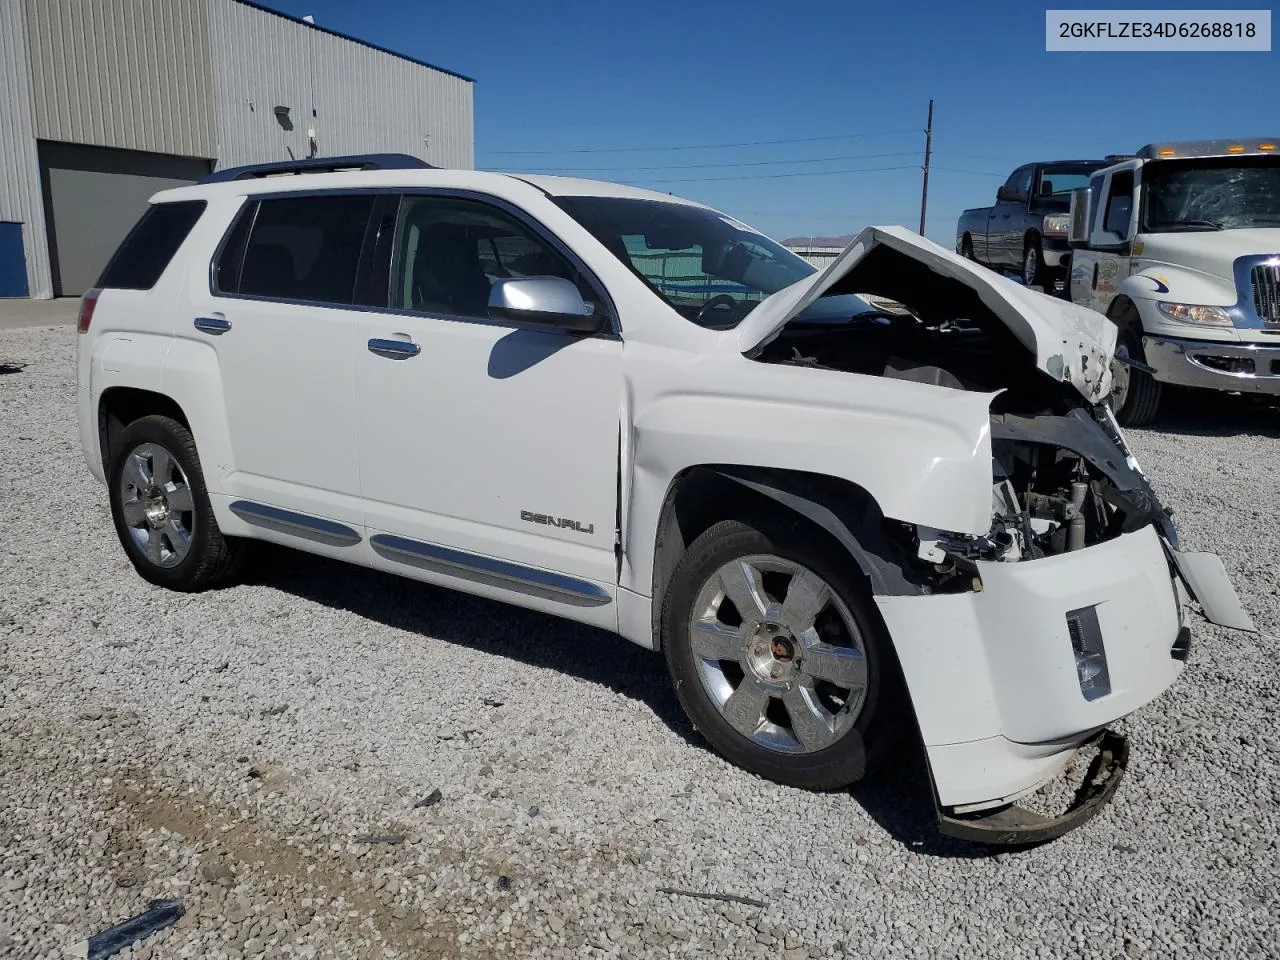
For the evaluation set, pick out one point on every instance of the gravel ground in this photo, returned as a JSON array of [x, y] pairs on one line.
[[269, 753]]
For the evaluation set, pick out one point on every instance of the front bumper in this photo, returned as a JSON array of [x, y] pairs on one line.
[[1238, 367], [1055, 251], [992, 674]]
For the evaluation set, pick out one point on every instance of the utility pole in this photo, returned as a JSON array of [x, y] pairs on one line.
[[928, 153]]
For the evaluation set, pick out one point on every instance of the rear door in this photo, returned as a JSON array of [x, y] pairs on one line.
[[279, 318]]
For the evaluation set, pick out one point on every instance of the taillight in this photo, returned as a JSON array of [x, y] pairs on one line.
[[87, 304]]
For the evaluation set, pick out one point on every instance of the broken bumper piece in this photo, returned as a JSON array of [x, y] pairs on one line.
[[1012, 825]]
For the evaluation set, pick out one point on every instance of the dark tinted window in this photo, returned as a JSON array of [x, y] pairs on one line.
[[230, 258], [1119, 204], [306, 248], [150, 245]]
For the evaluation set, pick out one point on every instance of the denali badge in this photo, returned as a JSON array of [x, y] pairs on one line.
[[557, 522]]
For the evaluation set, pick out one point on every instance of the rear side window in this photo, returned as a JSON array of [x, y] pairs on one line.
[[150, 245], [298, 248]]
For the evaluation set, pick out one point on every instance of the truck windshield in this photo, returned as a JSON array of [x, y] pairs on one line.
[[1220, 193], [710, 268]]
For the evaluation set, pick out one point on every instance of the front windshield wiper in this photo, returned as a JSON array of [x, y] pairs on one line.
[[1207, 224]]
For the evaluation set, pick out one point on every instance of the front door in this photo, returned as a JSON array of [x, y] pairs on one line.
[[281, 325], [488, 453]]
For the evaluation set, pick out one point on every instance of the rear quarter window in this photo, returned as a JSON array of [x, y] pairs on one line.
[[150, 245]]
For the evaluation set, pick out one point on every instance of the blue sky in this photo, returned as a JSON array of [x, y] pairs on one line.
[[582, 86]]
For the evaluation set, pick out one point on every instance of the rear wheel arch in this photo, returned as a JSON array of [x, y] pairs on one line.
[[120, 406]]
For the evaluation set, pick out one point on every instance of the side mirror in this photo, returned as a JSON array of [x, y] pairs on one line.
[[1009, 194], [542, 302], [1081, 215]]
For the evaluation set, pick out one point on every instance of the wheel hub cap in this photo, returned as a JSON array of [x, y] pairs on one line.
[[156, 506], [773, 655]]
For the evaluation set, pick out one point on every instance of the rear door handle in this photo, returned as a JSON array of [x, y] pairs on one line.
[[394, 349], [215, 325]]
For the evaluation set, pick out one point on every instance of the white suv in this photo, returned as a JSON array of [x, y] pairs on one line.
[[633, 411]]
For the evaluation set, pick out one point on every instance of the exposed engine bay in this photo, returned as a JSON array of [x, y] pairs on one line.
[[1062, 478]]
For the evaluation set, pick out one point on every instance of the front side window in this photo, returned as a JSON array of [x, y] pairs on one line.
[[710, 268], [1119, 204], [1221, 193], [300, 248], [449, 252]]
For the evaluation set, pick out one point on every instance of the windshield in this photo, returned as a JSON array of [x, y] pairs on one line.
[[710, 268], [1222, 193]]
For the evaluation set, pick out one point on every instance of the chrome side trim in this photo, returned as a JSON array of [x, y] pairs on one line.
[[302, 525], [495, 573]]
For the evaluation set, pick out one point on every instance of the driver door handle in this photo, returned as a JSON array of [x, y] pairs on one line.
[[394, 349]]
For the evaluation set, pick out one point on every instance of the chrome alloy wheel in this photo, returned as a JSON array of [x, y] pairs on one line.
[[156, 500], [779, 654], [1030, 266]]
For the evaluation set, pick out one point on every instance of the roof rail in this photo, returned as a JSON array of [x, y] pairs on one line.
[[364, 161], [1117, 157]]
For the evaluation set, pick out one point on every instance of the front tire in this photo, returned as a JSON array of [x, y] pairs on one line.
[[161, 508], [777, 654], [1135, 394], [1034, 272]]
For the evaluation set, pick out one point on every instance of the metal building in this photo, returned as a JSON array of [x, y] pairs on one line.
[[104, 103]]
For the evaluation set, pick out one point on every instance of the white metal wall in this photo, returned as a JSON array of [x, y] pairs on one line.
[[364, 100], [122, 73], [20, 197]]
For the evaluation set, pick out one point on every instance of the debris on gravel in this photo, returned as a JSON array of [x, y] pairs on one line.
[[238, 749]]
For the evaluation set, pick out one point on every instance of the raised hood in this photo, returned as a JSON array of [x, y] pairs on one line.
[[1069, 343]]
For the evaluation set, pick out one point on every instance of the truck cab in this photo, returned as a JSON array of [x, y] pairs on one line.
[[1179, 246]]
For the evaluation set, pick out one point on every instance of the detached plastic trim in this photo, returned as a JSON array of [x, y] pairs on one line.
[[1016, 826]]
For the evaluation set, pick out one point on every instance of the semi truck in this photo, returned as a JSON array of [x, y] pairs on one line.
[[1179, 245]]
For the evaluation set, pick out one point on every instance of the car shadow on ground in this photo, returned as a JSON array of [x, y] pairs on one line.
[[1206, 413], [900, 799]]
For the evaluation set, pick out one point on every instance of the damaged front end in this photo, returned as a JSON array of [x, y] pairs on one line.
[[1068, 613]]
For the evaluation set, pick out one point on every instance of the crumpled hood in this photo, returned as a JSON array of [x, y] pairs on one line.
[[1069, 343]]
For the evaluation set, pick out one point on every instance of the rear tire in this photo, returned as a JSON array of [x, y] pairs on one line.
[[795, 696], [161, 508], [966, 248]]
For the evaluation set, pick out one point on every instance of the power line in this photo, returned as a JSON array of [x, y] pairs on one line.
[[702, 166], [700, 146]]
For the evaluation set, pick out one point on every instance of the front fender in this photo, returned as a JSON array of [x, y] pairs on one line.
[[923, 453]]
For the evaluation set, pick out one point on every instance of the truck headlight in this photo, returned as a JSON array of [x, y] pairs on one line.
[[1057, 225], [1195, 313]]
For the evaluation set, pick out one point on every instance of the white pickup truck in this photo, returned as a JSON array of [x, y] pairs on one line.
[[1180, 247]]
